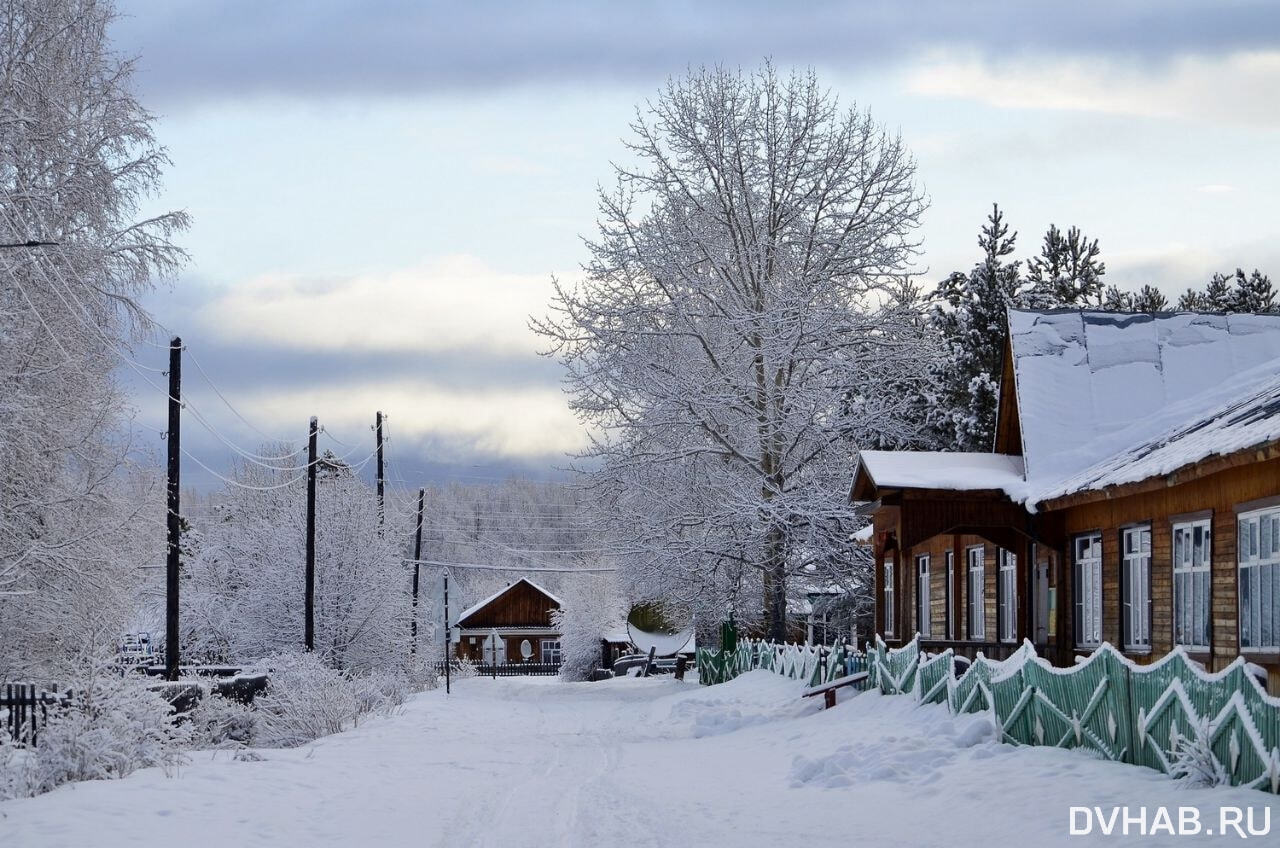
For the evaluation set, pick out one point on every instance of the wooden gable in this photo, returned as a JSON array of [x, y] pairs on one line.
[[522, 604], [1008, 424]]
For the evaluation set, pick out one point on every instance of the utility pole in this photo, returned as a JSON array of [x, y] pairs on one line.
[[417, 555], [381, 475], [311, 538], [174, 438], [448, 635]]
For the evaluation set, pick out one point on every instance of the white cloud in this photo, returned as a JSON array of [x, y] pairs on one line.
[[1238, 88], [447, 304], [514, 423], [1216, 188]]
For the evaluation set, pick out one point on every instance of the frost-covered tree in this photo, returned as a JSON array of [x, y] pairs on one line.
[[1067, 272], [1147, 299], [244, 571], [77, 159], [1238, 292], [730, 300], [592, 609], [970, 317]]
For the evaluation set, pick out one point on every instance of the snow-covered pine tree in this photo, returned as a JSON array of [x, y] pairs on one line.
[[970, 316], [1218, 296], [1254, 293], [1067, 272], [1149, 299]]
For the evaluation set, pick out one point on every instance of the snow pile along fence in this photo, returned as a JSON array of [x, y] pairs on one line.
[[813, 664], [1155, 715]]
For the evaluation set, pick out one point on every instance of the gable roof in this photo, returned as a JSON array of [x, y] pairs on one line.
[[476, 607], [1104, 399], [1091, 385], [1241, 414]]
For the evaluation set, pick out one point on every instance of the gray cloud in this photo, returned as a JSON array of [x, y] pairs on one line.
[[194, 51]]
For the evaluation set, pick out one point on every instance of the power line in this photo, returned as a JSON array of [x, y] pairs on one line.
[[475, 566]]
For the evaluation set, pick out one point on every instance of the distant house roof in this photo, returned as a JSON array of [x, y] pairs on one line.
[[474, 608]]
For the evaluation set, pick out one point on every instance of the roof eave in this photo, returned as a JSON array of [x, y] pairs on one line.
[[1184, 474]]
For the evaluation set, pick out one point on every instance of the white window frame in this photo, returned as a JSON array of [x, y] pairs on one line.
[[1086, 570], [1192, 584], [976, 594], [1258, 572], [1007, 598], [546, 646], [890, 595], [950, 594], [922, 594], [1135, 586]]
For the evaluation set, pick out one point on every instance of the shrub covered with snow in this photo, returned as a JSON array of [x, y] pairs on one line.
[[591, 609], [220, 722], [1193, 761], [304, 700], [108, 727]]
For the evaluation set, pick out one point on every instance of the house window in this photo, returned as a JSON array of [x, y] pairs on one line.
[[1135, 587], [1191, 558], [1088, 586], [1258, 556], [550, 650], [922, 593], [1008, 596], [977, 571], [947, 591], [889, 594]]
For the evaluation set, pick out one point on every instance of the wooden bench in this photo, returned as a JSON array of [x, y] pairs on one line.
[[828, 690]]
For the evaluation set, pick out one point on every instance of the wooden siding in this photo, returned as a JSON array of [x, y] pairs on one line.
[[522, 605], [1220, 494]]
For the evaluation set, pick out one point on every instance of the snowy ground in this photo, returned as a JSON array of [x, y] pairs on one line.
[[624, 762]]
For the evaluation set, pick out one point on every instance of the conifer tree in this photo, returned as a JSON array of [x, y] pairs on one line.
[[971, 317], [1067, 272]]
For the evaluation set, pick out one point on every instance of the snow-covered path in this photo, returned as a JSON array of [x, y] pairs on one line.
[[625, 762]]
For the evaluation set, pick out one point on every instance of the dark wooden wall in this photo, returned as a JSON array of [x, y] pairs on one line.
[[520, 606]]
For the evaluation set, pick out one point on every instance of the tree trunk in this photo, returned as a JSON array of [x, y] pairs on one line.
[[775, 584]]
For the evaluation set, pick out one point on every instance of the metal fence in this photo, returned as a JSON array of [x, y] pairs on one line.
[[1106, 704], [523, 669]]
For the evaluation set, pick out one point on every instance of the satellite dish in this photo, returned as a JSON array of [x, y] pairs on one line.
[[665, 628], [526, 650]]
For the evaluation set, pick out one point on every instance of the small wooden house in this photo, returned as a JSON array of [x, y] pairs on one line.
[[518, 613], [1132, 497]]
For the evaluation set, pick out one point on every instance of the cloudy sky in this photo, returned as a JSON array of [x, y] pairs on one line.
[[382, 191]]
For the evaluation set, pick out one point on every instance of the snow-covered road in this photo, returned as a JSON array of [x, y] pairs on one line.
[[627, 763]]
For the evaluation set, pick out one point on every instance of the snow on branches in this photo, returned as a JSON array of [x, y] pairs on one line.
[[734, 329]]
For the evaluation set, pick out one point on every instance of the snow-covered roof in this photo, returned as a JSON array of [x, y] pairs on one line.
[[498, 594], [1241, 413], [1091, 385], [957, 471], [1107, 398]]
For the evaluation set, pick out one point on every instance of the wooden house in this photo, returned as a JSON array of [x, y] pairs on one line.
[[1132, 497], [518, 613]]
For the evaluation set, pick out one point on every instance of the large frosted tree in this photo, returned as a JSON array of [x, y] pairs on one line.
[[77, 160], [727, 341]]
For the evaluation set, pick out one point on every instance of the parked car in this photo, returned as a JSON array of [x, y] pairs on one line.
[[627, 664]]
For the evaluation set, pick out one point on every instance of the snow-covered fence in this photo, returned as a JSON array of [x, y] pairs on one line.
[[814, 664], [1156, 715], [24, 709]]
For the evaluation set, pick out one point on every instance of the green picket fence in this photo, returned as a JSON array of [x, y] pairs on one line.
[[813, 664], [1106, 704]]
